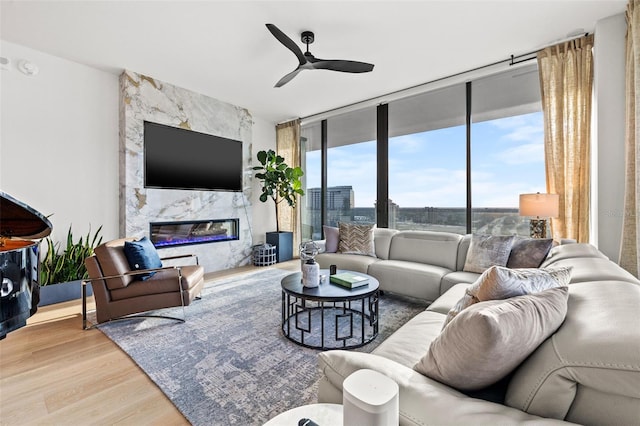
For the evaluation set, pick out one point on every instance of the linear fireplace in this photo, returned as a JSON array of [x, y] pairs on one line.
[[172, 234]]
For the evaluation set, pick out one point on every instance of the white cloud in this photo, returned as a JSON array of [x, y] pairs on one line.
[[522, 154]]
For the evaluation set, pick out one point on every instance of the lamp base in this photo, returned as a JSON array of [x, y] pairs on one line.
[[538, 228]]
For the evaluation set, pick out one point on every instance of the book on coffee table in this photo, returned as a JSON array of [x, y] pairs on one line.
[[349, 279]]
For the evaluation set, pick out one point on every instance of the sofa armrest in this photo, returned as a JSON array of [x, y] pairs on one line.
[[422, 401]]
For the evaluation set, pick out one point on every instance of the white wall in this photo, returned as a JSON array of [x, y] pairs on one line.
[[264, 214], [609, 90], [59, 143]]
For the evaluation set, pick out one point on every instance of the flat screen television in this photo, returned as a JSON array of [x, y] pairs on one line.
[[176, 158]]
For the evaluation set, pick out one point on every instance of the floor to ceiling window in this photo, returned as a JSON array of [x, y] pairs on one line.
[[427, 161], [350, 195], [429, 151], [507, 149]]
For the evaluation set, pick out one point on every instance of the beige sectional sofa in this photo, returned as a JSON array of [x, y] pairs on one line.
[[587, 372]]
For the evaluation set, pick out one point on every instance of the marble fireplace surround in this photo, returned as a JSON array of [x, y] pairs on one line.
[[144, 98]]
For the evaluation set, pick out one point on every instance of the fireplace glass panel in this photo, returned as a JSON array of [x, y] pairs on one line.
[[172, 234]]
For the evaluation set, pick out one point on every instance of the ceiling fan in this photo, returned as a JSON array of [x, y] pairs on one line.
[[310, 62]]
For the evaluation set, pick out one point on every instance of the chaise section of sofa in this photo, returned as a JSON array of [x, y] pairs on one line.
[[587, 372]]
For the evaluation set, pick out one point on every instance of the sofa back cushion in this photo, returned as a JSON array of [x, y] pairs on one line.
[[382, 240], [463, 249], [589, 370], [429, 247]]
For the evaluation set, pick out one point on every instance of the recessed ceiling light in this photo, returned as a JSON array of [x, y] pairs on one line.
[[28, 68]]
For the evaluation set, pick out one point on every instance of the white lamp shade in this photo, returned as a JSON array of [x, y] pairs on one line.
[[539, 205]]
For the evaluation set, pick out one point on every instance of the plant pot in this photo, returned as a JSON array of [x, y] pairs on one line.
[[62, 292], [283, 241]]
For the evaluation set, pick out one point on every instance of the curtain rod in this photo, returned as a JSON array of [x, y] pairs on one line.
[[512, 60]]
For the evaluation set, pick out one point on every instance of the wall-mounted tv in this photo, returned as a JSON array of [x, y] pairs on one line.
[[176, 158]]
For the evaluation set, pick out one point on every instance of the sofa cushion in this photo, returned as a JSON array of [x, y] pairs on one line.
[[356, 239], [409, 278], [486, 251], [486, 341], [448, 300], [426, 247], [501, 283], [463, 249], [594, 269], [588, 372], [529, 252], [404, 346], [349, 262], [382, 241], [332, 238], [571, 251], [457, 277], [141, 255]]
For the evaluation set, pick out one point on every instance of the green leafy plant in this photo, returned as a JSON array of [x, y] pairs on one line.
[[59, 267], [279, 181]]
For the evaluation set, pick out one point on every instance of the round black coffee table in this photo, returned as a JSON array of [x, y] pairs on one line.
[[329, 316]]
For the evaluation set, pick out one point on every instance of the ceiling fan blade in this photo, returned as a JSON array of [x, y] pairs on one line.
[[341, 65], [287, 42], [287, 78]]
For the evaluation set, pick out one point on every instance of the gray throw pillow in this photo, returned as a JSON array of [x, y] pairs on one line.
[[529, 252], [332, 238], [497, 283], [488, 340], [486, 251], [356, 239]]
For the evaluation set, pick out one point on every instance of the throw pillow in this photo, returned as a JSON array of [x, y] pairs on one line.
[[529, 252], [356, 239], [332, 238], [498, 283], [490, 339], [486, 251], [142, 254]]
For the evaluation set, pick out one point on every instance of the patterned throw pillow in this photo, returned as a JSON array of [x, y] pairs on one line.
[[486, 251], [356, 239], [490, 339], [498, 283]]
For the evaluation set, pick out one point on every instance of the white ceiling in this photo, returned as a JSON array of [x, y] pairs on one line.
[[223, 49]]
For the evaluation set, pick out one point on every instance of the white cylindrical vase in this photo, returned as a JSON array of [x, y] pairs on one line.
[[370, 398], [310, 274]]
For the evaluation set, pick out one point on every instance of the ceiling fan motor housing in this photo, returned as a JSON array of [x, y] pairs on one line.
[[307, 37]]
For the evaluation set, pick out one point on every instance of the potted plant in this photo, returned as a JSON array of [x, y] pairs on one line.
[[280, 183], [61, 273]]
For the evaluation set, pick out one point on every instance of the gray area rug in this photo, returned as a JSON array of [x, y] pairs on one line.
[[229, 363]]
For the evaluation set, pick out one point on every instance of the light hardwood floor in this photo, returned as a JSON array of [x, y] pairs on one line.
[[54, 373]]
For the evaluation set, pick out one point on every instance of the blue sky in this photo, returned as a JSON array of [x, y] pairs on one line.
[[428, 169]]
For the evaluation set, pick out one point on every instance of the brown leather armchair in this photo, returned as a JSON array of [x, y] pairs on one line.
[[119, 292]]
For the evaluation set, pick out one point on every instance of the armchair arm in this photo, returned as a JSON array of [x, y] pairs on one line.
[[180, 256]]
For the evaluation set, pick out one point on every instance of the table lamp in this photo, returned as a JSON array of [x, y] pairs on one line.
[[539, 205]]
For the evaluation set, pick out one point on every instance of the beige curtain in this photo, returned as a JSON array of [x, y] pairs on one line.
[[630, 242], [288, 146], [566, 79]]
